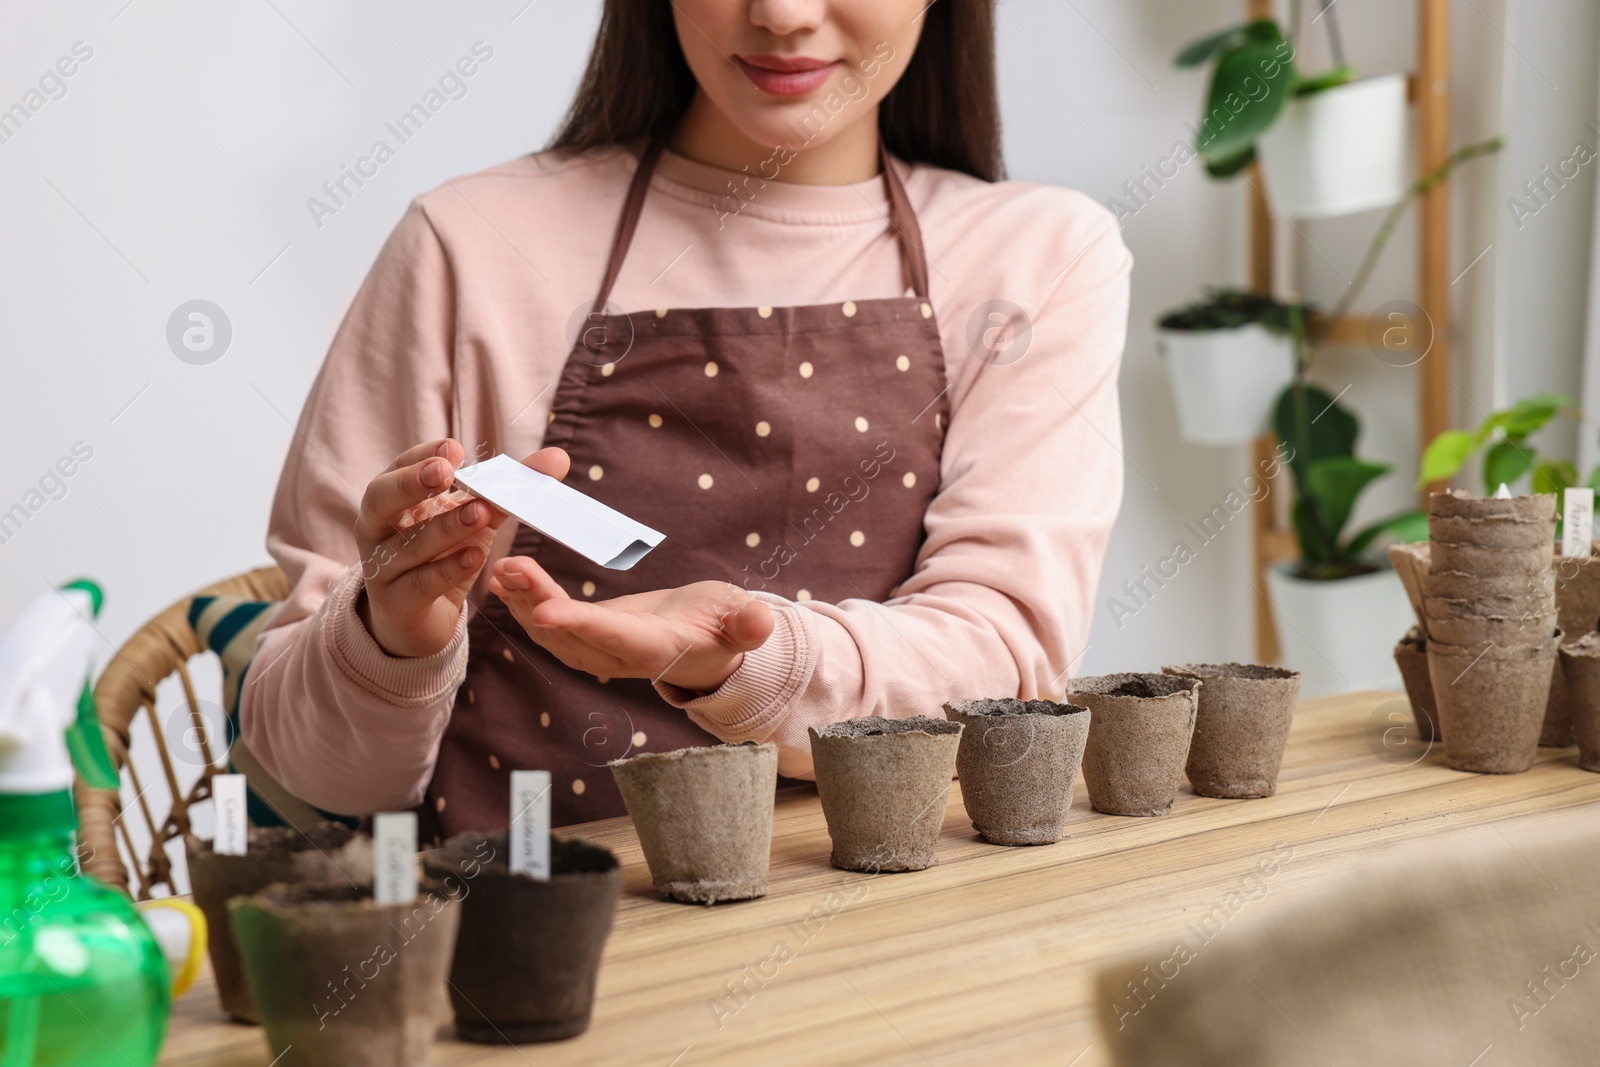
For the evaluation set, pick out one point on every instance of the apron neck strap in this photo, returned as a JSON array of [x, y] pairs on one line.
[[902, 219]]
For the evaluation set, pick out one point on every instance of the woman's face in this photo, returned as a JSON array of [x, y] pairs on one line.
[[795, 73]]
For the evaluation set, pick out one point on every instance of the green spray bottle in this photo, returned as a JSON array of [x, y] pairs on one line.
[[82, 981]]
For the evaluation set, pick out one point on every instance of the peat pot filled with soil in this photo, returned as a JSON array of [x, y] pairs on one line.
[[528, 953], [704, 818], [341, 981], [883, 784], [1018, 760], [326, 852], [1241, 727], [1138, 739], [1411, 656]]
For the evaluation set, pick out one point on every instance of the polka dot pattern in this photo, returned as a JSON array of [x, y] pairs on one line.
[[770, 401]]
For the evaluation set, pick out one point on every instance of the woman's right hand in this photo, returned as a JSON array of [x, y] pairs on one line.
[[421, 548]]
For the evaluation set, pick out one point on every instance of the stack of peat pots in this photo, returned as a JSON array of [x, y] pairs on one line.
[[1488, 620]]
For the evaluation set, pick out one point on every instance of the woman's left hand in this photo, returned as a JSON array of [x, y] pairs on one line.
[[693, 636]]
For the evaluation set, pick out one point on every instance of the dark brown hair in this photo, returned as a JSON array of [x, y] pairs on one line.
[[944, 111]]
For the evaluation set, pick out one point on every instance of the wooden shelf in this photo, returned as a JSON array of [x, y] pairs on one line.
[[1429, 92]]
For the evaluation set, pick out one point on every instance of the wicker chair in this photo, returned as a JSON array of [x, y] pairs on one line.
[[161, 647]]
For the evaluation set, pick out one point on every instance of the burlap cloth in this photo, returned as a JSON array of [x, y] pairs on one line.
[[1429, 958]]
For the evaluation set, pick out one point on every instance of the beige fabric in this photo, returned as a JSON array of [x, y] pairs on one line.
[[1480, 949]]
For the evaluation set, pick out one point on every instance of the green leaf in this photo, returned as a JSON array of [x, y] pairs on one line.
[[1316, 547], [1328, 79], [1249, 87], [1334, 483], [1314, 425], [1554, 475], [1197, 52], [1406, 527], [1506, 462], [1529, 414], [1227, 168], [1446, 455], [1594, 478]]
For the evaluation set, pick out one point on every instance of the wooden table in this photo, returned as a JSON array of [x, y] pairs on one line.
[[989, 956]]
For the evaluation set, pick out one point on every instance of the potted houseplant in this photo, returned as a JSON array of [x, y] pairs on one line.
[[1340, 604], [1227, 358], [1329, 144]]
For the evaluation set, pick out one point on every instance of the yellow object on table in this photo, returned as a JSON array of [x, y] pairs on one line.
[[991, 955]]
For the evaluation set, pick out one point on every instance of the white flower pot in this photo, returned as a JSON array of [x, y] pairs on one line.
[[1338, 151], [1224, 382], [1340, 634]]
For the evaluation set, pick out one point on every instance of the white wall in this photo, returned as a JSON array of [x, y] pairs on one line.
[[179, 162]]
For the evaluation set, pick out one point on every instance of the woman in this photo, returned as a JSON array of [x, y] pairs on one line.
[[766, 294]]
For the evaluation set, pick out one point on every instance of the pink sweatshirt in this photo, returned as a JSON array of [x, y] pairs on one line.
[[463, 325]]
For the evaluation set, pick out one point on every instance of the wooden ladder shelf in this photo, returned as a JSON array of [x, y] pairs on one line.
[[1430, 93]]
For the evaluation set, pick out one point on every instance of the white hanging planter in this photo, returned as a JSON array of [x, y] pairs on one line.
[[1340, 634], [1224, 382], [1339, 150]]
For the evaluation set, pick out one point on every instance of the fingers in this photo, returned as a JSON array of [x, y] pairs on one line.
[[521, 578], [449, 577], [640, 643], [415, 476], [748, 627], [466, 526], [552, 461]]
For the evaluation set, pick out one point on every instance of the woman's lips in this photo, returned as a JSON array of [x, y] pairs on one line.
[[786, 75]]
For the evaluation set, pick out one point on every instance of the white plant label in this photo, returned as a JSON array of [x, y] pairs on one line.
[[530, 824], [233, 822], [1503, 493], [394, 849], [593, 530], [1577, 525]]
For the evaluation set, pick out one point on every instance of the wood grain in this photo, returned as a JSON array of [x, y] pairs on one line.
[[989, 956]]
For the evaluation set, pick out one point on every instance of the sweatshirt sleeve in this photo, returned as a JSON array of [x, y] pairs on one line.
[[336, 720], [1002, 594]]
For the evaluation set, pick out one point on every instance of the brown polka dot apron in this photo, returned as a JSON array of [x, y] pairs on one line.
[[791, 450]]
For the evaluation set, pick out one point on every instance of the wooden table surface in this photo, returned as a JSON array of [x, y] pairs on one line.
[[988, 957]]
